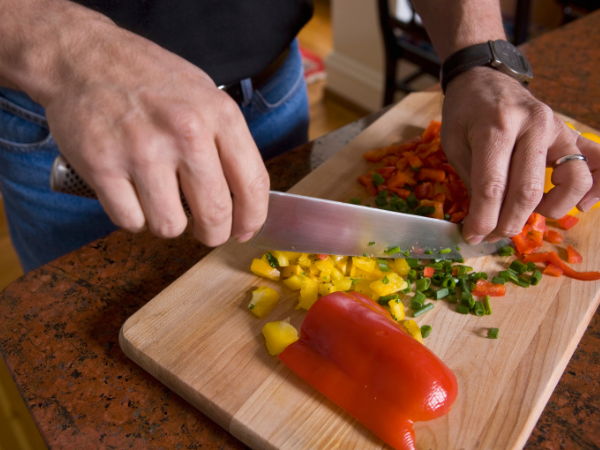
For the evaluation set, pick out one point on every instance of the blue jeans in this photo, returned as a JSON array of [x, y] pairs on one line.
[[45, 225]]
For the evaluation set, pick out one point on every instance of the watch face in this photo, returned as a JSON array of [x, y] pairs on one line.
[[509, 55]]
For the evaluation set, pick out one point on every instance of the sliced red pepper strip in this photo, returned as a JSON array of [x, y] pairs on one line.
[[432, 131], [352, 351], [567, 222], [484, 287], [525, 246], [552, 270], [432, 174], [554, 237], [573, 257], [553, 258]]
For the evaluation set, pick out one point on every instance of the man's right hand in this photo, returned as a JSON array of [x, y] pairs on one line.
[[138, 123]]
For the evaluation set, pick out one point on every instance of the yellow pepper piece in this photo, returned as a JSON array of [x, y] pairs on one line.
[[343, 265], [397, 310], [325, 265], [344, 284], [292, 269], [326, 288], [363, 263], [264, 269], [263, 301], [390, 283], [413, 329], [591, 137], [401, 267], [363, 287], [304, 260], [292, 256], [355, 272], [309, 293], [314, 270], [294, 282], [336, 274], [281, 257], [279, 335]]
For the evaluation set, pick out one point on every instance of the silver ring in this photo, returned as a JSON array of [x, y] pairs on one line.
[[567, 158]]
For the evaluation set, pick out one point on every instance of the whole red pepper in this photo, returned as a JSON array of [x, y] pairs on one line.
[[353, 352]]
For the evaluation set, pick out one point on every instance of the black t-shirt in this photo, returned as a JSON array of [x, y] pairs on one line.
[[228, 39]]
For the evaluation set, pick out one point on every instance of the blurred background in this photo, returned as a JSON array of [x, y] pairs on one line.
[[358, 57]]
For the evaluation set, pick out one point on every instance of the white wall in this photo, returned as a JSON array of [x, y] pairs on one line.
[[355, 67]]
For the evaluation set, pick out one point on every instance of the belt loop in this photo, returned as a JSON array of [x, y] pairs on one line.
[[247, 91]]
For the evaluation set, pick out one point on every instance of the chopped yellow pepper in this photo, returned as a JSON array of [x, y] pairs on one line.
[[263, 301], [292, 269], [304, 260], [413, 329], [401, 267], [292, 256], [294, 282], [264, 269], [397, 310], [390, 283], [281, 257], [309, 293], [364, 263], [279, 335]]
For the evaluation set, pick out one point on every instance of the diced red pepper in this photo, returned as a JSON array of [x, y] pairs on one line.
[[457, 217], [428, 272], [573, 257], [553, 258], [567, 222], [432, 174], [439, 208], [375, 155], [402, 193], [387, 172], [432, 131], [424, 190], [413, 160], [552, 270], [352, 351], [525, 246], [484, 287], [554, 237], [439, 197], [398, 180], [390, 160], [322, 256]]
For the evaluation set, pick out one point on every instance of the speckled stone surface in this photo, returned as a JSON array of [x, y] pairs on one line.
[[59, 324]]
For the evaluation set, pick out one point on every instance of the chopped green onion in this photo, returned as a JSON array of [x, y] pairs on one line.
[[392, 250], [365, 254], [378, 179], [371, 243], [415, 305], [462, 309], [523, 282], [442, 293], [531, 266], [250, 306], [452, 298], [407, 253], [493, 333], [423, 309], [467, 300], [498, 280], [430, 293], [413, 263], [507, 250], [445, 250], [487, 305], [383, 265], [412, 200], [479, 275], [459, 259], [458, 248], [518, 267], [425, 210], [425, 330], [407, 289], [355, 280], [462, 283], [461, 270], [384, 299], [449, 282], [355, 201], [382, 198], [428, 252], [536, 277], [272, 260], [508, 276], [423, 284], [419, 297], [479, 309], [412, 275], [385, 280], [447, 217]]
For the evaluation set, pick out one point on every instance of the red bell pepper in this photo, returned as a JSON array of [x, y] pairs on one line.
[[567, 222], [432, 131], [553, 237], [573, 257], [484, 287], [428, 272], [552, 271], [353, 352], [553, 258], [322, 256], [525, 246]]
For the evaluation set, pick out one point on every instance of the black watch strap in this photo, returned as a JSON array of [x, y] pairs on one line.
[[463, 60]]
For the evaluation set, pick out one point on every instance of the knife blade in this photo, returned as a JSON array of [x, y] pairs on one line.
[[312, 225]]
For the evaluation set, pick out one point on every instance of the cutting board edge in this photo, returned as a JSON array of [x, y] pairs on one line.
[[158, 371]]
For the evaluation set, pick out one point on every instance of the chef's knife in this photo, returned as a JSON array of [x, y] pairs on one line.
[[312, 225]]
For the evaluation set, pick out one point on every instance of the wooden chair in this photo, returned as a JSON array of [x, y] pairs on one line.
[[402, 41]]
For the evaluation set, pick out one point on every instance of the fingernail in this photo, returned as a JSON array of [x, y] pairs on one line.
[[473, 240], [244, 237], [587, 205]]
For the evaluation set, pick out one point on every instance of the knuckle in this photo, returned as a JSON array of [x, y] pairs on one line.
[[491, 190], [168, 229], [218, 214], [482, 228], [543, 116], [188, 124], [509, 230], [209, 241], [530, 194]]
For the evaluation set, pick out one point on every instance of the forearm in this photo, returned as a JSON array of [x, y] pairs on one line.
[[456, 24], [41, 40]]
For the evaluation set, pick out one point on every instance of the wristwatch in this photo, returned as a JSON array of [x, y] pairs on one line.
[[501, 55]]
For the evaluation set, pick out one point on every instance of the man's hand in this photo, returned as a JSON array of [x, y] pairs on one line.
[[138, 122], [500, 139]]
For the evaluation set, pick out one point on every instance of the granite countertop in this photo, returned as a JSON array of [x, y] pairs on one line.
[[59, 324]]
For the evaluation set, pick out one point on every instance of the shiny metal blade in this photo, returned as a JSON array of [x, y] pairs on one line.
[[312, 225]]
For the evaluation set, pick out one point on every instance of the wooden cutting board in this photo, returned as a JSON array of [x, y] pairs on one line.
[[198, 338]]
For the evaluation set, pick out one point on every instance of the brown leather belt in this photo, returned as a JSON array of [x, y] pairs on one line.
[[235, 89]]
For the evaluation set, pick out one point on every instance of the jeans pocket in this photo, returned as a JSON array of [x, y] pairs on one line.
[[284, 84], [22, 129]]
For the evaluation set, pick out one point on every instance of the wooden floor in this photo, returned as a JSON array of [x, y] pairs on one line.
[[17, 431]]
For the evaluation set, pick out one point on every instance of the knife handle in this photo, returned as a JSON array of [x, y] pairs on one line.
[[64, 178]]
